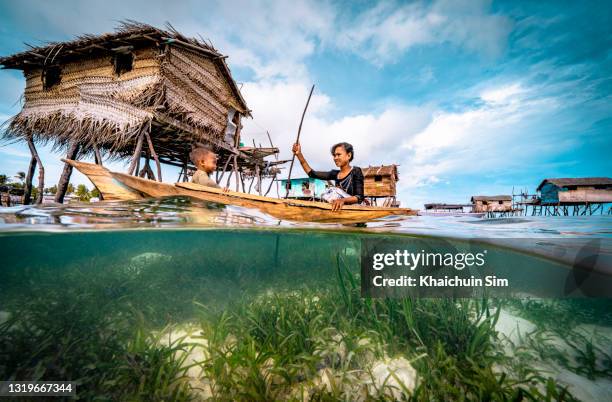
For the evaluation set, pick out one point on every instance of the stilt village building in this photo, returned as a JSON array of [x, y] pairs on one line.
[[141, 93]]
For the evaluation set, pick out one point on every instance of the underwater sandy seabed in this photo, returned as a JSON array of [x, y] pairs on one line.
[[275, 315], [227, 311]]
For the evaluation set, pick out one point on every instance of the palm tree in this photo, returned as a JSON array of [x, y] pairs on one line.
[[3, 179], [20, 176], [82, 192], [51, 190], [94, 193]]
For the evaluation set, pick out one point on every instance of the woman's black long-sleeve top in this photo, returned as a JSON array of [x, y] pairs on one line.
[[352, 183]]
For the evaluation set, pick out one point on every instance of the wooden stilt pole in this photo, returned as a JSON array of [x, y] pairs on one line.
[[97, 155], [64, 180], [242, 181], [98, 160], [144, 171], [27, 188], [236, 146], [258, 177], [185, 177], [154, 155], [150, 173], [259, 183], [270, 186], [134, 165], [229, 158], [236, 173], [41, 172]]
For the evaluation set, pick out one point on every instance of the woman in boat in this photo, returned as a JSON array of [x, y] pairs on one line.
[[348, 178]]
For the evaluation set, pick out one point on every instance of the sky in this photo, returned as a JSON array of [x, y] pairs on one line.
[[467, 97]]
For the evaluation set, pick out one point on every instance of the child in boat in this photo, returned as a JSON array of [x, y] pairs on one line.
[[348, 179], [205, 161]]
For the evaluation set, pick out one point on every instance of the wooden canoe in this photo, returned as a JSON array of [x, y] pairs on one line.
[[120, 186]]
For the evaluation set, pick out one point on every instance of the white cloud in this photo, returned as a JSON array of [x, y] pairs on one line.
[[502, 94], [430, 145], [482, 140], [273, 38], [384, 32], [278, 106], [270, 37], [12, 151]]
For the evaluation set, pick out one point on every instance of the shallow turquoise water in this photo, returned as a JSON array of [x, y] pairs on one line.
[[78, 282]]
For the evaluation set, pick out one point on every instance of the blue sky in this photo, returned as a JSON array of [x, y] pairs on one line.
[[472, 97]]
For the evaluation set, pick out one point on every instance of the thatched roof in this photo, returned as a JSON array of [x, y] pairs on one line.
[[491, 198], [584, 181], [129, 33], [180, 91], [384, 170]]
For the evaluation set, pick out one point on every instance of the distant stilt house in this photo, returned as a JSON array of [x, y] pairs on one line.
[[305, 188], [140, 92], [443, 209], [581, 196], [379, 182], [493, 205], [10, 195]]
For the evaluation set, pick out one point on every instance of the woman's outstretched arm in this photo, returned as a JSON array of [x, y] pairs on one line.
[[297, 150]]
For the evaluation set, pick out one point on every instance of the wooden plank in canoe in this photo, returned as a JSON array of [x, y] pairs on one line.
[[111, 189]]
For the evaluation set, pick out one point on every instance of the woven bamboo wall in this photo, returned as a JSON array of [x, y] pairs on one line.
[[196, 87], [91, 103]]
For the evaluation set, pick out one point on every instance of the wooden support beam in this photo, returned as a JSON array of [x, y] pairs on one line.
[[150, 174], [270, 186], [136, 157], [170, 162], [27, 188], [142, 172], [41, 172], [236, 173], [201, 133], [224, 169], [64, 180], [251, 185], [233, 171], [154, 155], [97, 155], [242, 181]]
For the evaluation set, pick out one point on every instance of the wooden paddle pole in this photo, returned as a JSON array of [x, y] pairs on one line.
[[288, 183]]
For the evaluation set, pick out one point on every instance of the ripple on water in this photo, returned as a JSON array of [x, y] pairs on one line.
[[184, 212]]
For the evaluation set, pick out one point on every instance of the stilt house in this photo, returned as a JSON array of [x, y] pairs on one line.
[[379, 182], [139, 92], [494, 203]]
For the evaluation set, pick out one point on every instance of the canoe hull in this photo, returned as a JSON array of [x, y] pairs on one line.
[[285, 209], [101, 177]]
